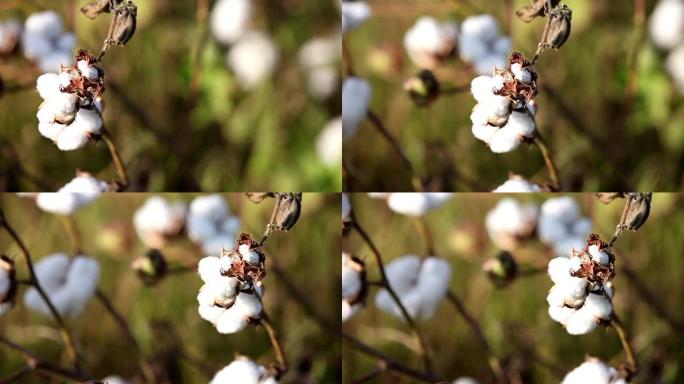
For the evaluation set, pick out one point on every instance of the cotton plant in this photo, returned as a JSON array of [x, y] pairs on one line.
[[517, 184], [71, 112], [562, 226], [354, 285], [244, 371], [329, 143], [593, 371], [581, 297], [354, 13], [8, 284], [210, 224], [356, 96], [421, 285], [10, 35], [481, 44], [46, 43], [510, 223], [429, 41], [319, 58], [416, 204], [69, 282], [666, 29], [81, 191], [504, 116], [230, 297], [158, 221]]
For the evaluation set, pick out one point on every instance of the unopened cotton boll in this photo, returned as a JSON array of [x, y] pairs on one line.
[[243, 371], [510, 223], [593, 371], [517, 184], [429, 41], [157, 221], [229, 19], [666, 24], [252, 58], [329, 143], [79, 192], [416, 204], [356, 95], [68, 282], [354, 13]]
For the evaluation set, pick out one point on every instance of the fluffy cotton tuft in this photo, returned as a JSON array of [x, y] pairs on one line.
[[45, 42], [243, 371], [666, 24], [561, 226], [68, 282], [329, 143], [428, 41], [210, 224], [511, 222], [253, 58], [420, 284], [481, 45], [319, 57], [517, 184], [416, 204], [354, 13], [79, 192], [593, 371], [230, 19], [356, 95], [157, 221], [353, 286]]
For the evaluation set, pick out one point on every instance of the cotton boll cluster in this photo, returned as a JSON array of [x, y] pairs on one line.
[[581, 297], [561, 225], [593, 371], [329, 143], [320, 57], [230, 297], [428, 42], [159, 221], [354, 288], [45, 42], [421, 284], [666, 28], [210, 224], [510, 223], [416, 204], [10, 33], [68, 282], [517, 184], [79, 192], [244, 371], [354, 13], [504, 115], [71, 112], [8, 284], [253, 55], [356, 95], [481, 45]]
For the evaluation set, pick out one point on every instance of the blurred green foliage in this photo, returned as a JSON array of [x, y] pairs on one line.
[[304, 254], [607, 143], [514, 319], [223, 139]]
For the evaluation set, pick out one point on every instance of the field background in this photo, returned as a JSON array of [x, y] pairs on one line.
[[515, 319], [304, 254], [222, 140], [611, 138]]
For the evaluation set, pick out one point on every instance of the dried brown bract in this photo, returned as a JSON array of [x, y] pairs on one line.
[[515, 86], [123, 24], [608, 197], [151, 267], [538, 8], [258, 197], [423, 88], [287, 211], [95, 8], [557, 29], [248, 273], [86, 89], [636, 210], [590, 269]]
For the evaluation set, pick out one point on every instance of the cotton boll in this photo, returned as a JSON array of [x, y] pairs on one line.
[[243, 371], [517, 185], [47, 24], [349, 310], [482, 27], [158, 220], [356, 95], [200, 228], [320, 52], [81, 283], [471, 48], [58, 203], [484, 132], [504, 140], [674, 64], [48, 85], [489, 62], [666, 24], [482, 88], [599, 256], [323, 82], [593, 371], [209, 268], [429, 40], [252, 58], [86, 187], [71, 138], [521, 74], [249, 305], [249, 255], [66, 42], [410, 204], [329, 143], [210, 313], [465, 380], [580, 323], [88, 121], [522, 124], [509, 222], [114, 380], [212, 207], [35, 45], [215, 244], [346, 206], [90, 72], [354, 13], [503, 46], [53, 61], [565, 246], [598, 306], [560, 314], [229, 19]]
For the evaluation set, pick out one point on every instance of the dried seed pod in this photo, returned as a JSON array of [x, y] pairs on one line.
[[558, 27], [95, 8], [287, 211], [258, 197], [502, 269], [607, 197], [123, 23], [636, 211], [538, 8], [151, 267], [423, 88]]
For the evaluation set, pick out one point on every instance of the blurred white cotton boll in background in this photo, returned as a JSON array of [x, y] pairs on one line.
[[666, 24], [356, 95], [420, 284], [79, 192], [429, 41], [114, 380], [346, 206], [230, 19], [319, 57], [353, 285], [329, 143], [44, 42], [354, 13], [416, 204], [252, 58], [68, 282], [244, 371], [593, 371], [157, 221], [210, 224], [510, 223], [481, 45], [517, 184], [465, 380], [561, 225], [674, 64], [10, 33]]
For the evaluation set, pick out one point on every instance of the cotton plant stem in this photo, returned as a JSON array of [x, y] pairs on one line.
[[201, 17], [633, 368], [389, 362], [72, 232], [116, 157], [409, 321], [495, 367], [426, 234], [63, 331], [282, 366], [553, 171], [347, 59], [36, 363], [368, 377], [16, 375], [377, 123]]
